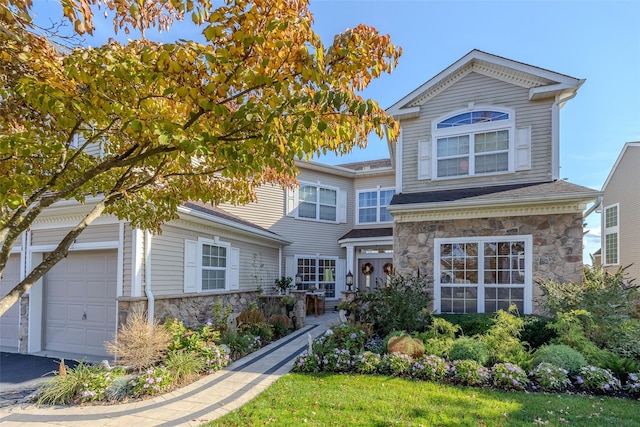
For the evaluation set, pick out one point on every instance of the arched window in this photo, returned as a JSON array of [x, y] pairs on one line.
[[474, 143]]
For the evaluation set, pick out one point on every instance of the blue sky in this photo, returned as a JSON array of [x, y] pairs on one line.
[[594, 40]]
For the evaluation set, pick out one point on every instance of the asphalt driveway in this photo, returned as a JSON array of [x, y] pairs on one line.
[[17, 370]]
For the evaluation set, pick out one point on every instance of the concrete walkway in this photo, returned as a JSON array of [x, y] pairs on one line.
[[205, 400]]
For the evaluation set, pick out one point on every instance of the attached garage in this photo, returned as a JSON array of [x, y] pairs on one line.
[[10, 320], [80, 303]]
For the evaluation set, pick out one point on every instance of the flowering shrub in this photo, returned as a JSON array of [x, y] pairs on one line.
[[376, 345], [550, 377], [430, 368], [97, 382], [306, 362], [592, 378], [469, 372], [633, 383], [216, 358], [395, 364], [153, 381], [367, 362], [509, 376], [339, 360]]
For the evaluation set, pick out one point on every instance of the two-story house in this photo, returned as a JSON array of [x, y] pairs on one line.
[[621, 214], [469, 197]]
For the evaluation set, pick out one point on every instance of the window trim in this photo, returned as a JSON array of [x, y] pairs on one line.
[[471, 130], [607, 231], [377, 190], [227, 275], [317, 259], [528, 269], [318, 187]]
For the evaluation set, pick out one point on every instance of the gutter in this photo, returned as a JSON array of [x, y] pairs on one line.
[[593, 208], [555, 131], [147, 278]]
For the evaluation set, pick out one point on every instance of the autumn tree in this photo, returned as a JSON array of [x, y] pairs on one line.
[[146, 126]]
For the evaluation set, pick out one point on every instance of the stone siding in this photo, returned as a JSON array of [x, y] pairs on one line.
[[557, 244]]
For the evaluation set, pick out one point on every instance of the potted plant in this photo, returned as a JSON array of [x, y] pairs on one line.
[[289, 301], [282, 284]]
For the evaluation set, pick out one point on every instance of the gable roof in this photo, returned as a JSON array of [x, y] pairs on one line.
[[501, 195], [541, 83], [627, 146]]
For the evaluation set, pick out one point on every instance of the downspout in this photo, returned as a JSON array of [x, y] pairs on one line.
[[147, 278], [555, 135]]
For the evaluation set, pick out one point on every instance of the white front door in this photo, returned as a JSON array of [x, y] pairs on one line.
[[80, 303], [10, 320]]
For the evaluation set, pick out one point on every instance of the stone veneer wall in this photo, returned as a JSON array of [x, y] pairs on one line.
[[557, 244], [192, 309]]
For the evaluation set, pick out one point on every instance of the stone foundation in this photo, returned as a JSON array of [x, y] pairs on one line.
[[557, 244]]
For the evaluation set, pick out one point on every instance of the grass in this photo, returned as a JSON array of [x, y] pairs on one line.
[[360, 400]]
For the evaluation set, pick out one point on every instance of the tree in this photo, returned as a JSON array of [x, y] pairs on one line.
[[146, 126]]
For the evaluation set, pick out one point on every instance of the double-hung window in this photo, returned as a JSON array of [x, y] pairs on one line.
[[483, 274], [213, 266], [611, 231], [318, 272], [372, 205], [318, 203], [474, 143]]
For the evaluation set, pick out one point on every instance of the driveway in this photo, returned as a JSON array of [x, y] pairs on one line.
[[20, 374]]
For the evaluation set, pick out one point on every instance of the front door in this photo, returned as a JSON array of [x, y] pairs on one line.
[[373, 273]]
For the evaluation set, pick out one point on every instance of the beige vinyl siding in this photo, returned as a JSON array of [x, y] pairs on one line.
[[371, 182], [481, 90], [93, 234], [268, 209], [167, 258], [622, 188]]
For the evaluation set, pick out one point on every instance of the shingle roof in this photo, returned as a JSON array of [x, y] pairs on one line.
[[367, 165], [502, 192], [360, 233]]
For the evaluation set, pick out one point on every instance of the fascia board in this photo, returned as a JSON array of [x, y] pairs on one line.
[[618, 160], [368, 240]]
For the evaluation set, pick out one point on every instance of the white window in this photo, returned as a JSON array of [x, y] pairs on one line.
[[372, 205], [611, 231], [472, 143], [319, 272], [210, 265], [319, 203], [484, 274]]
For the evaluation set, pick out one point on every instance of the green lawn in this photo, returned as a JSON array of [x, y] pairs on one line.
[[360, 400]]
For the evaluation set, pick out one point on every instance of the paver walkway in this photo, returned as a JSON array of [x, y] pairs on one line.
[[200, 402]]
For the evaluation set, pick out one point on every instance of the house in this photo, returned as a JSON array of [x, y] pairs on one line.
[[621, 214], [469, 197]]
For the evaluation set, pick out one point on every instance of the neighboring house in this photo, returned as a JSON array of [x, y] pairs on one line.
[[620, 214], [470, 197]]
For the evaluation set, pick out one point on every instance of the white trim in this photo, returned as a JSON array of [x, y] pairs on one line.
[[137, 253], [120, 260], [606, 231], [88, 246], [398, 158], [528, 269], [338, 281], [227, 269], [377, 190], [318, 185]]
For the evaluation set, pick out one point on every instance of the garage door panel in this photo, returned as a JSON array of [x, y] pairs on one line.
[[82, 308], [10, 320]]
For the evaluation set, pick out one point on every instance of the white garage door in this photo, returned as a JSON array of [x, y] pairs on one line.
[[9, 320], [80, 303]]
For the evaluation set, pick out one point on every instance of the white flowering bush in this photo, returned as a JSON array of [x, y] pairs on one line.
[[633, 383], [509, 376], [594, 379], [550, 377]]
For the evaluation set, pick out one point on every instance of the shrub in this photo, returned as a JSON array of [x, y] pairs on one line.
[[375, 345], [138, 343], [469, 372], [571, 328], [251, 317], [550, 377], [438, 346], [184, 366], [633, 383], [343, 336], [466, 348], [594, 379], [263, 330], [193, 340], [503, 340], [338, 360], [509, 376], [620, 366], [367, 362], [281, 324], [430, 368], [401, 305], [440, 328], [406, 345], [220, 316], [397, 364], [306, 362], [535, 331], [239, 344], [561, 356], [152, 381], [120, 388], [65, 387], [470, 324]]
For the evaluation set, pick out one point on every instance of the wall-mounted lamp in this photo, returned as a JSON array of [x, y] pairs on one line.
[[349, 280]]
